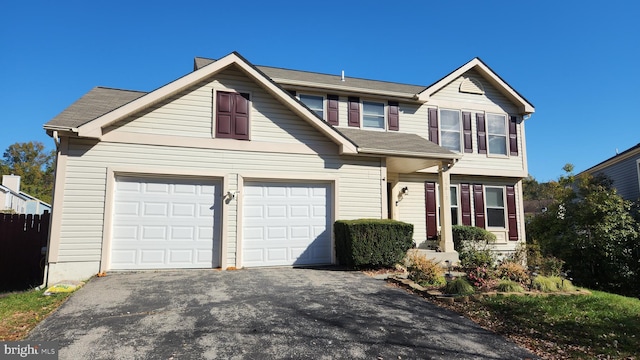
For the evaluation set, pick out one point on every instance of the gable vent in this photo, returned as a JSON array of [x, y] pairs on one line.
[[472, 86]]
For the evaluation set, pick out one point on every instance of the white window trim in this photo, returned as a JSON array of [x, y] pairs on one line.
[[460, 129], [384, 114], [324, 102], [504, 207], [506, 134]]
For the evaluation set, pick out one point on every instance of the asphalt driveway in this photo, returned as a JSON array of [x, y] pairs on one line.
[[261, 314]]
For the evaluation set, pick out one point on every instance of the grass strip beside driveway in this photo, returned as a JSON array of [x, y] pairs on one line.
[[22, 311]]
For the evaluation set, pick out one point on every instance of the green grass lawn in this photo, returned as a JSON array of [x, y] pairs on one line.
[[576, 326], [22, 311]]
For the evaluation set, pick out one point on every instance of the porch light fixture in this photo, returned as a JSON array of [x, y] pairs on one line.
[[405, 191]]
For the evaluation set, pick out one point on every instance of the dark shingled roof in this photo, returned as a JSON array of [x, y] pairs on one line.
[[95, 103], [280, 75], [389, 142]]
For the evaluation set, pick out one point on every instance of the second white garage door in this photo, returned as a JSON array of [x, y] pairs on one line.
[[286, 224], [165, 224]]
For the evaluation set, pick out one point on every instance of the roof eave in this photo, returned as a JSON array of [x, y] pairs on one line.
[[409, 154], [345, 89]]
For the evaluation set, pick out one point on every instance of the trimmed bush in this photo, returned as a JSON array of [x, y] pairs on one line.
[[512, 271], [459, 286], [471, 243], [509, 286], [423, 271], [372, 243]]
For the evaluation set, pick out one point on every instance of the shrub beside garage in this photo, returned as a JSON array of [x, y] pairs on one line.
[[372, 243]]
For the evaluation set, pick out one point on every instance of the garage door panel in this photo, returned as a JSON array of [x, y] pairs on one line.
[[166, 223], [286, 224]]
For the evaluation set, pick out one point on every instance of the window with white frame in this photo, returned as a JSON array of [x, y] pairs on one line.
[[497, 134], [454, 205], [314, 102], [494, 199], [450, 133], [372, 115]]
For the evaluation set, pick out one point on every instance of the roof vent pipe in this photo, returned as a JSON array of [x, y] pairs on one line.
[[342, 77]]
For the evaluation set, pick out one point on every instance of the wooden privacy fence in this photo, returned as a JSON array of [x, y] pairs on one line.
[[22, 242]]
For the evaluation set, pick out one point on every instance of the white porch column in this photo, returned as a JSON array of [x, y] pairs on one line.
[[444, 180]]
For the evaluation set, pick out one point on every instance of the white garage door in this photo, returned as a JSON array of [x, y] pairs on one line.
[[286, 224], [165, 223]]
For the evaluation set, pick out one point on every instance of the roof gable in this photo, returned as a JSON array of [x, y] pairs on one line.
[[94, 128], [489, 75], [631, 152]]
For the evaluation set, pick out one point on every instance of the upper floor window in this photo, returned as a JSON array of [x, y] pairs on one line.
[[232, 115], [372, 115], [450, 129], [495, 206], [497, 134], [315, 103]]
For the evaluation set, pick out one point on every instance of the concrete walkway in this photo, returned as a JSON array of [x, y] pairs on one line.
[[261, 314]]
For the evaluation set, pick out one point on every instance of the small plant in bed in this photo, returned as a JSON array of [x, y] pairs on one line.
[[459, 286]]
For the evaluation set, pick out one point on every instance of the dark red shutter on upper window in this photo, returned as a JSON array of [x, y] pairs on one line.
[[513, 135], [224, 114], [478, 200], [465, 204], [482, 134], [332, 109], [354, 111], [242, 117], [466, 127], [431, 210], [394, 116], [511, 213], [433, 125], [232, 115]]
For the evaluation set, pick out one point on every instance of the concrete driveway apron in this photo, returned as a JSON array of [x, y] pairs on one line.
[[274, 313]]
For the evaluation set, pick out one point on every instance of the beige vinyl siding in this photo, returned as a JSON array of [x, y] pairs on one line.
[[412, 208], [491, 96], [85, 185], [190, 114]]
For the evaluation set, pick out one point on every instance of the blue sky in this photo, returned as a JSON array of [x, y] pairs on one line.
[[577, 62]]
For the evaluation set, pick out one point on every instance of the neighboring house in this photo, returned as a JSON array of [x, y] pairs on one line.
[[16, 201], [624, 170], [235, 165]]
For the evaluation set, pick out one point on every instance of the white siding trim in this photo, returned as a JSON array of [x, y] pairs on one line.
[[216, 143], [57, 208]]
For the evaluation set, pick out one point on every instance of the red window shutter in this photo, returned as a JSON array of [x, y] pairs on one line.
[[431, 210], [478, 199], [482, 134], [513, 135], [394, 116], [466, 127], [433, 125], [332, 109], [242, 117], [465, 204], [511, 213], [354, 111], [232, 115], [224, 114]]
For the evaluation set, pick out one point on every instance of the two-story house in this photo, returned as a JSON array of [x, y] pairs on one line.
[[624, 170], [235, 165]]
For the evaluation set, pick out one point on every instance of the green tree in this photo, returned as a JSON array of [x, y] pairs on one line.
[[591, 228], [34, 165], [533, 190]]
